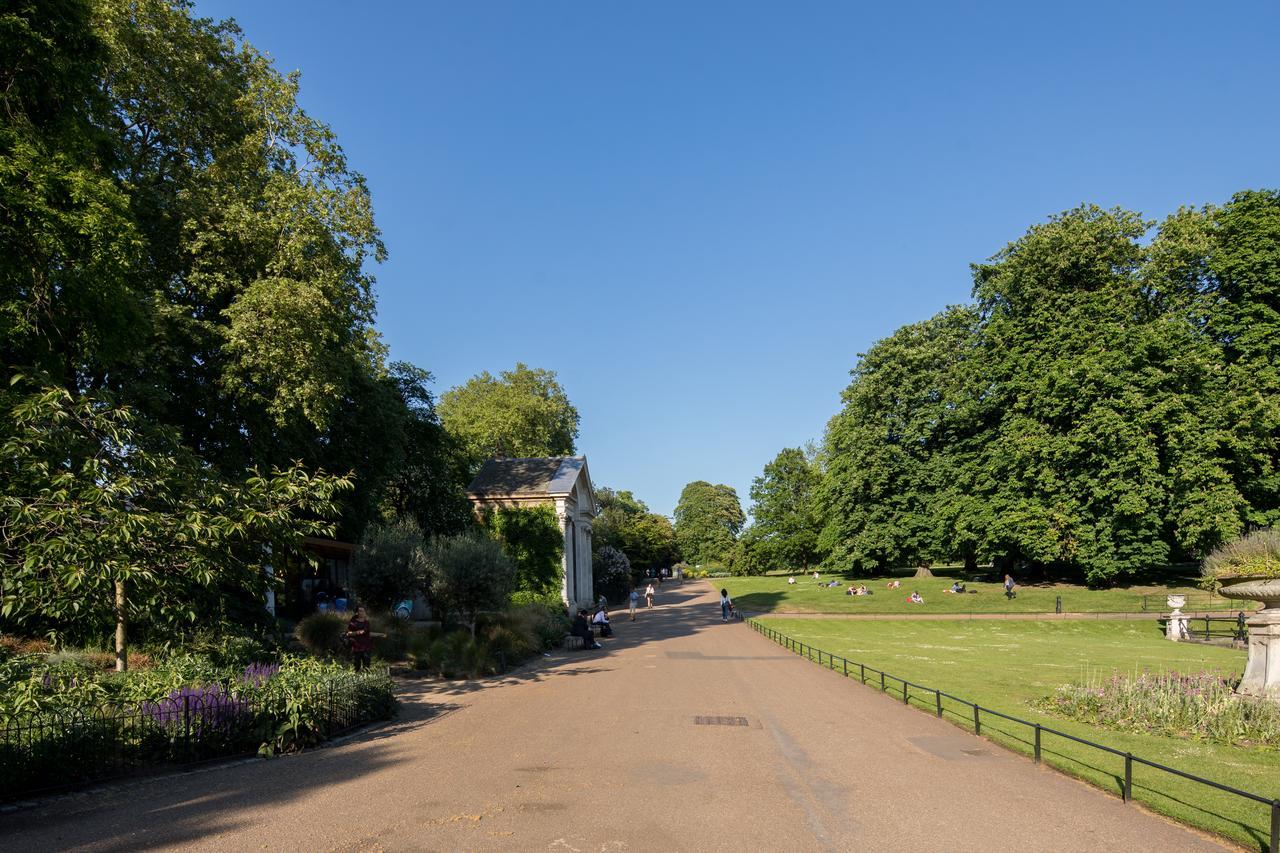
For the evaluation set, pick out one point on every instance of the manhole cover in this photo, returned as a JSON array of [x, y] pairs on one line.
[[720, 721]]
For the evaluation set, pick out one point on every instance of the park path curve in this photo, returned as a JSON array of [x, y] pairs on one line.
[[601, 751]]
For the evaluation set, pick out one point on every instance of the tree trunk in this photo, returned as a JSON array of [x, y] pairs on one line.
[[923, 572], [122, 643]]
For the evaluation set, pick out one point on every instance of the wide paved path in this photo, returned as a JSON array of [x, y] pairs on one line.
[[601, 751]]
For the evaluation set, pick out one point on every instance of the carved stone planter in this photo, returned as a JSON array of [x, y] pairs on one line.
[[1262, 670]]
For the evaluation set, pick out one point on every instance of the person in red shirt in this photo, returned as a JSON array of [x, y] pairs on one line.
[[361, 638]]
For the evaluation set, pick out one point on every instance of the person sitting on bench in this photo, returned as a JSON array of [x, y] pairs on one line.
[[580, 628], [601, 621]]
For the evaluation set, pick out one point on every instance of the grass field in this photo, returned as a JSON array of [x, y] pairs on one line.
[[772, 594], [1006, 666]]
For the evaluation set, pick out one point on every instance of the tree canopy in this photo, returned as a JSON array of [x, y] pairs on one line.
[[708, 520], [646, 538], [519, 413], [1107, 405], [786, 517]]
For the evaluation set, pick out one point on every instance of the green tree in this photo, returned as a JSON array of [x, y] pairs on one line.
[[625, 523], [470, 574], [532, 539], [390, 564], [520, 413], [103, 521], [708, 519], [786, 516], [611, 573]]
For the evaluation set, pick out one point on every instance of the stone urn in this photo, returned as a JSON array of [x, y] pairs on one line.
[[1176, 627], [1262, 670]]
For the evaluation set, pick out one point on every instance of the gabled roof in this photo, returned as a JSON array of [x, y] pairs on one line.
[[545, 476]]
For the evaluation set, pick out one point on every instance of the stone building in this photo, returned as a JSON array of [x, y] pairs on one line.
[[559, 481]]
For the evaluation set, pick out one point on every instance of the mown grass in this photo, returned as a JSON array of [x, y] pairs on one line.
[[1007, 666], [772, 593]]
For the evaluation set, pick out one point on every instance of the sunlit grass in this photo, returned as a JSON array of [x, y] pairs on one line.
[[1010, 666]]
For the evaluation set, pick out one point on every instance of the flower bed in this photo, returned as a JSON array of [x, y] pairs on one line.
[[61, 725], [1201, 705]]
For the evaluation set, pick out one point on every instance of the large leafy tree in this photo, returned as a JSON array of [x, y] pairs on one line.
[[786, 516], [708, 520], [519, 413], [625, 523], [104, 521]]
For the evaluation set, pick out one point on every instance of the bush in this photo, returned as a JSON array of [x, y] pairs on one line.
[[611, 572], [532, 538], [469, 574], [1256, 554], [390, 564], [322, 634]]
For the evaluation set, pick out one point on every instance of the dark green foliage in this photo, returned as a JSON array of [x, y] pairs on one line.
[[469, 573], [625, 523], [708, 519], [322, 633], [532, 539], [786, 517], [389, 565], [1109, 405]]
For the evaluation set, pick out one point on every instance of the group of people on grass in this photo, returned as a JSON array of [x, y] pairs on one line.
[[956, 588]]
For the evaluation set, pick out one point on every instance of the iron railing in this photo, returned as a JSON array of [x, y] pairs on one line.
[[51, 751], [887, 681]]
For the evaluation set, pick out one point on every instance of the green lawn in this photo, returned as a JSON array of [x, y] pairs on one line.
[[1007, 665], [772, 593]]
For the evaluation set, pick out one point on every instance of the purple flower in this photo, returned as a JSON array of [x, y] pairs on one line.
[[258, 674]]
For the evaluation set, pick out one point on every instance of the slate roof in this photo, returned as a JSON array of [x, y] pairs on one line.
[[551, 475]]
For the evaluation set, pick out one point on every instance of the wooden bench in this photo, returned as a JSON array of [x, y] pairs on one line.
[[571, 642]]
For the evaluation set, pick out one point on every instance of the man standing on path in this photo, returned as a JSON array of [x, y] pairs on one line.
[[635, 599], [648, 596]]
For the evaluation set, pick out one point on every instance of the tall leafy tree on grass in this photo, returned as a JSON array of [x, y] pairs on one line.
[[786, 516]]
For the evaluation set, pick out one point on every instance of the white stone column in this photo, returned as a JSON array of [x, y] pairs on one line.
[[567, 592], [586, 574]]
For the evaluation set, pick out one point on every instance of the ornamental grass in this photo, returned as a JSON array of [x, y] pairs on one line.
[[1200, 705]]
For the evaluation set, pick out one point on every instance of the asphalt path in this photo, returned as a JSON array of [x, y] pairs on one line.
[[683, 733]]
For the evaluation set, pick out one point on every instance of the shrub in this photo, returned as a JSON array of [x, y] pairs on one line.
[[532, 538], [389, 565], [394, 643], [543, 626], [611, 572], [469, 574], [322, 634], [1255, 554]]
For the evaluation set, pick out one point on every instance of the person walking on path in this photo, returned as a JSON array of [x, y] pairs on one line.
[[1008, 587], [635, 599], [648, 596], [726, 605], [361, 638]]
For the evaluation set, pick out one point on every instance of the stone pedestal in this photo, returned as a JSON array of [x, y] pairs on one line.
[[1176, 627], [1262, 670]]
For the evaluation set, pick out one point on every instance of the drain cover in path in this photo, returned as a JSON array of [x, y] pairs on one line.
[[720, 721]]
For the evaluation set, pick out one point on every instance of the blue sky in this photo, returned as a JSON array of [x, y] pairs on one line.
[[699, 214]]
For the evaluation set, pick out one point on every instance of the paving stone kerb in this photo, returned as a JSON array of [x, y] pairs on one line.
[[604, 751]]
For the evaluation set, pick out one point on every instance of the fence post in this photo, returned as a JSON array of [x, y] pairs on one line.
[[1275, 826], [937, 694], [864, 672], [904, 694], [186, 726], [846, 667], [1128, 776], [1037, 743], [1057, 605], [882, 682], [977, 721]]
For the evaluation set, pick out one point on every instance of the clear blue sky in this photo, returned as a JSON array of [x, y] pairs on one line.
[[699, 213]]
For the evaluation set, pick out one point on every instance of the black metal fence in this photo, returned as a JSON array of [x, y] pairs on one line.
[[56, 751], [1231, 628], [887, 682]]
